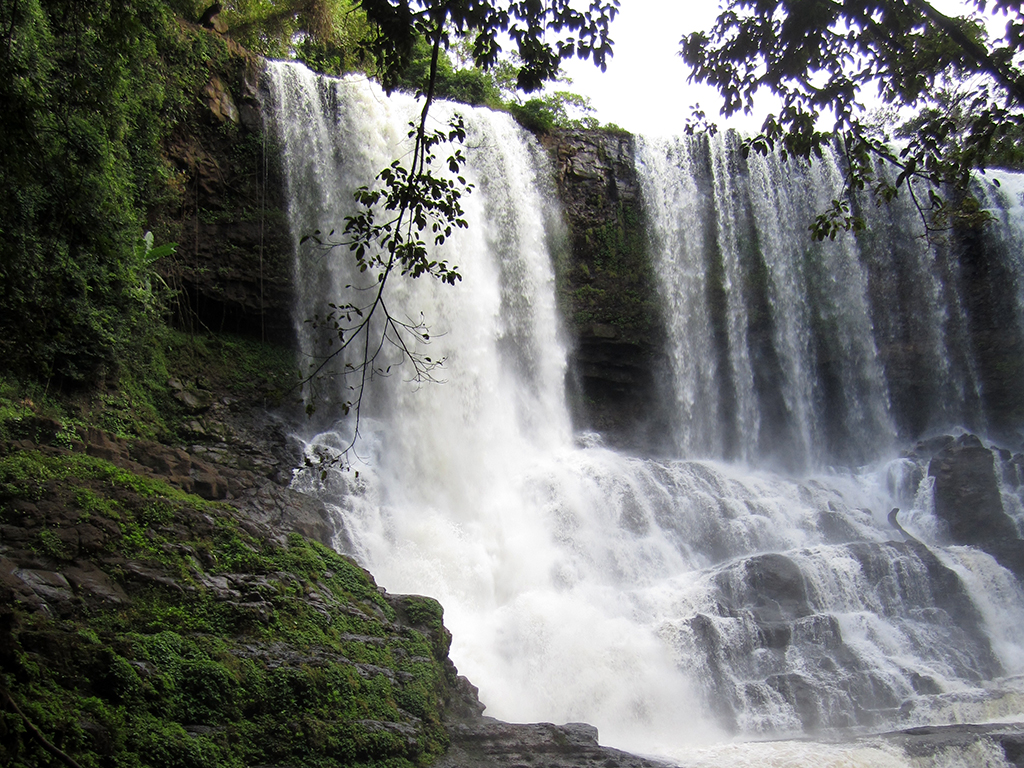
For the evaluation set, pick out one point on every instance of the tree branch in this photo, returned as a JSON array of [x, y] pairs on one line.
[[1003, 75]]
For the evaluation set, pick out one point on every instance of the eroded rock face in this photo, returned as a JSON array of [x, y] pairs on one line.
[[233, 261], [607, 291], [968, 499]]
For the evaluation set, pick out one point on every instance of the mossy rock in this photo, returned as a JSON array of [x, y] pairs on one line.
[[145, 626]]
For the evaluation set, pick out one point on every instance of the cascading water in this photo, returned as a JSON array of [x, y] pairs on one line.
[[822, 350], [672, 603]]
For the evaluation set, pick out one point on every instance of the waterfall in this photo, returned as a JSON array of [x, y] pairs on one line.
[[675, 603], [832, 350]]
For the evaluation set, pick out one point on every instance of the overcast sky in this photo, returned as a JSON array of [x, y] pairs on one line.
[[644, 89]]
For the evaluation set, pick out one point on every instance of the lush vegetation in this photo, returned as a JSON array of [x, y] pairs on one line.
[[90, 89], [144, 403], [183, 636]]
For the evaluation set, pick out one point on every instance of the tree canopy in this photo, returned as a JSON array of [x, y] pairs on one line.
[[957, 90]]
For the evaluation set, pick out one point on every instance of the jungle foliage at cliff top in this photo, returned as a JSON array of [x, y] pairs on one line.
[[963, 87], [88, 90]]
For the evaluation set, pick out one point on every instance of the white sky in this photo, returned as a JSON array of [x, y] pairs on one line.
[[645, 88]]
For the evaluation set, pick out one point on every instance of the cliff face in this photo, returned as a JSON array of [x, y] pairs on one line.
[[233, 265], [607, 291], [234, 258]]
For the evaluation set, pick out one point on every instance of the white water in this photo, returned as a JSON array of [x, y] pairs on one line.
[[581, 584], [829, 350]]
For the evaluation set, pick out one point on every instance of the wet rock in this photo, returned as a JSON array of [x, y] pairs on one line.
[[802, 695], [144, 573], [609, 295], [967, 493], [15, 587], [489, 743], [286, 509], [776, 587], [836, 527], [935, 743], [968, 500], [194, 402], [90, 538], [209, 485], [464, 701], [931, 447], [49, 585], [173, 464], [86, 577]]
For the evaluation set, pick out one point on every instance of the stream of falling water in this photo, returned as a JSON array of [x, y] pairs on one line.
[[676, 604]]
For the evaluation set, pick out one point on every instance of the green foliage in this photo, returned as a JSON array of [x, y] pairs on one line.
[[467, 85], [89, 90], [26, 474], [329, 36], [143, 404], [542, 33], [494, 87], [819, 59], [554, 110]]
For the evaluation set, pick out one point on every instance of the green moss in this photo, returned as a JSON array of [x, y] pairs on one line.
[[141, 404], [184, 673], [50, 544], [608, 278]]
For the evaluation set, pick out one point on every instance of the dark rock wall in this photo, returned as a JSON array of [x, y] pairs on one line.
[[232, 268], [233, 272], [607, 291], [990, 295], [968, 498]]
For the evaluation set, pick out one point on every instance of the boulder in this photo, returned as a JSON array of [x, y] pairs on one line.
[[777, 588], [219, 100], [968, 501]]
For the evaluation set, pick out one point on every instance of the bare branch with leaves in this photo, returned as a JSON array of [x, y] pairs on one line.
[[820, 58], [413, 206]]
